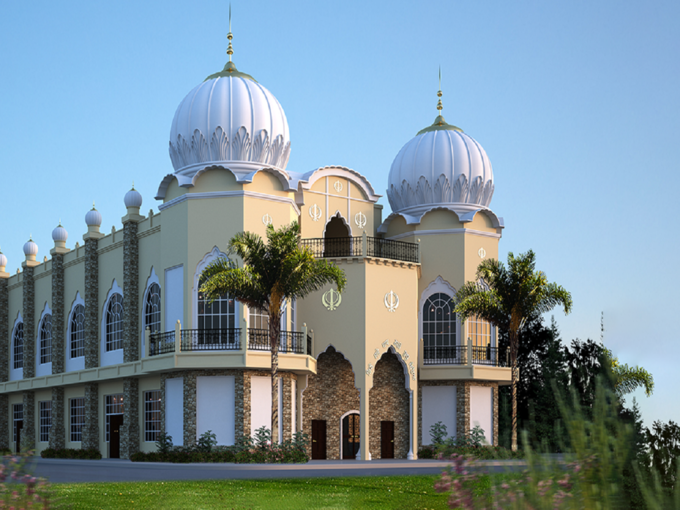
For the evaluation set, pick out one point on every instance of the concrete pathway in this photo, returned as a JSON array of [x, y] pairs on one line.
[[115, 470]]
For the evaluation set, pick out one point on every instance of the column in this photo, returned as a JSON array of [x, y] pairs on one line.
[[91, 427], [28, 432], [286, 409], [4, 327], [6, 431], [129, 438], [364, 420], [413, 425], [91, 301], [58, 327], [28, 314], [131, 329], [57, 431]]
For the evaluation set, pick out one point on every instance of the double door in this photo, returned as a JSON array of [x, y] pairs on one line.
[[351, 436]]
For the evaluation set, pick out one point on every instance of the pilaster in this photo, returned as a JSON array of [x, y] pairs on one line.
[[131, 292], [4, 331], [58, 329], [129, 438], [91, 303], [463, 409], [91, 427], [29, 323], [6, 432], [28, 432], [58, 430]]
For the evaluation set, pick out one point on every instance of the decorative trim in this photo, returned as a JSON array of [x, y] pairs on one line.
[[153, 278], [74, 262], [41, 369], [465, 213], [15, 373], [224, 194], [109, 357], [149, 232], [111, 247], [344, 197], [308, 179], [469, 231], [73, 364]]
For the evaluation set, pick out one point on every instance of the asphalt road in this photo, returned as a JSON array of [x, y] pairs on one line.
[[114, 470]]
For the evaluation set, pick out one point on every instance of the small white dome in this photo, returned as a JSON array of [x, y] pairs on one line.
[[3, 260], [133, 198], [93, 218], [30, 248], [59, 234], [441, 165], [229, 118]]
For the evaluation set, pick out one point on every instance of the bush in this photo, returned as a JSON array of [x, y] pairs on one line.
[[427, 452], [18, 488], [70, 453]]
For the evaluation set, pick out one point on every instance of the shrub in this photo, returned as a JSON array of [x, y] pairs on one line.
[[427, 452], [18, 488], [164, 442], [70, 453]]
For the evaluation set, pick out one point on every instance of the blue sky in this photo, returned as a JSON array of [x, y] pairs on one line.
[[575, 103]]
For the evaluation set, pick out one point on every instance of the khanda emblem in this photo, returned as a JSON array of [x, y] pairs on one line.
[[315, 212], [391, 301], [331, 299], [360, 219]]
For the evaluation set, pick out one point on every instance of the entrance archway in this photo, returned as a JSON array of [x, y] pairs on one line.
[[351, 435]]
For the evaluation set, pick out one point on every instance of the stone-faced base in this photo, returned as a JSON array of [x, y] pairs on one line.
[[28, 432], [91, 427], [129, 437], [58, 431]]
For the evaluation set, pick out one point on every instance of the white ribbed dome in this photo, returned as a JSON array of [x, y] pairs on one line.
[[133, 198], [30, 248], [93, 218], [3, 260], [229, 118], [440, 166], [59, 234]]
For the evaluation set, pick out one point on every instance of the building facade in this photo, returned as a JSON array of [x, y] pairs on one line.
[[106, 344]]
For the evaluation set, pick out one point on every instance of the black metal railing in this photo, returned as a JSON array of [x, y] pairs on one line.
[[210, 339], [289, 341], [458, 355], [353, 247], [162, 343]]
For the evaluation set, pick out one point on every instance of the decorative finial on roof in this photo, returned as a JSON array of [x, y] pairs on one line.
[[133, 185], [60, 225], [439, 94], [230, 49], [93, 206]]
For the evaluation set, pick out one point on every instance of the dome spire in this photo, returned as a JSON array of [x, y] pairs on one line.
[[230, 49], [230, 70], [440, 122], [439, 94]]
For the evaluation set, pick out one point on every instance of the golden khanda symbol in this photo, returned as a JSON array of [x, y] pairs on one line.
[[391, 301], [360, 219], [267, 220], [331, 299], [315, 212], [337, 186], [482, 253]]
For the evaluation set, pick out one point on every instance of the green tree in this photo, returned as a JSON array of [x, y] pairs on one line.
[[627, 378], [272, 273], [506, 297]]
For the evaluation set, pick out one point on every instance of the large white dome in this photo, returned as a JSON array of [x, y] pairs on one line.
[[441, 166], [229, 120]]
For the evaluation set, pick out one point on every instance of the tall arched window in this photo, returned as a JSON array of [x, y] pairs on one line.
[[258, 319], [45, 337], [152, 308], [114, 323], [479, 331], [18, 346], [77, 339], [220, 314], [439, 321]]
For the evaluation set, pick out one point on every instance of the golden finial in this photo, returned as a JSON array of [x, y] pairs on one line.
[[230, 49], [439, 94], [93, 206]]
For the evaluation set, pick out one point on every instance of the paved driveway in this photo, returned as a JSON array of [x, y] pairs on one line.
[[114, 470]]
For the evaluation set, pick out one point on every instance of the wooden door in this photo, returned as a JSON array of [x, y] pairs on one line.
[[115, 424], [318, 439], [351, 436], [19, 425], [386, 439]]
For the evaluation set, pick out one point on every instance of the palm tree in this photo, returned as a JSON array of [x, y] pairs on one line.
[[506, 297], [272, 273]]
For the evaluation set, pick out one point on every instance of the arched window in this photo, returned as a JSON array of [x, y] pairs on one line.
[[152, 308], [78, 332], [439, 321], [114, 323], [45, 337], [220, 314], [18, 346], [258, 319], [479, 331]]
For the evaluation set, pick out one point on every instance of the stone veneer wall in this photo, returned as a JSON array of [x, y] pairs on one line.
[[131, 292], [91, 305], [287, 412], [58, 431], [28, 432], [129, 436], [189, 383], [91, 427], [389, 401], [462, 406], [5, 431], [330, 394], [4, 331], [58, 329], [29, 324]]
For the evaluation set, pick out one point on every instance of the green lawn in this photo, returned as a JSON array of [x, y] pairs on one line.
[[407, 492]]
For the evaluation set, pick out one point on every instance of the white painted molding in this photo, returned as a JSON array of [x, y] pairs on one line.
[[73, 364], [438, 285], [469, 231], [308, 179], [224, 194], [465, 213], [153, 278], [110, 357], [41, 369]]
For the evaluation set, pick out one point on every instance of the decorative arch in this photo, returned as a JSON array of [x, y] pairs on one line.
[[43, 327], [74, 329], [339, 215], [153, 279], [465, 213], [115, 356], [16, 373], [437, 286], [308, 179], [209, 257], [344, 357]]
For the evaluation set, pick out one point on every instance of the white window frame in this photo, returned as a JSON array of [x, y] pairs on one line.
[[209, 257], [112, 357], [17, 415], [437, 286], [17, 373], [76, 419], [78, 362], [45, 408], [152, 415], [42, 369], [151, 281]]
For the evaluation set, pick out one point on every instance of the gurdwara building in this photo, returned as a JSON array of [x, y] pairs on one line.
[[110, 342]]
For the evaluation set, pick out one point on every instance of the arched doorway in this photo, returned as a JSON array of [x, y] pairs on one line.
[[351, 436], [337, 239]]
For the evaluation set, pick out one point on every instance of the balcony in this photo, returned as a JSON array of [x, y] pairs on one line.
[[465, 355], [364, 246], [293, 342]]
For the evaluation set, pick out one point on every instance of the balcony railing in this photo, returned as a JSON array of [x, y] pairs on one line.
[[354, 247], [459, 355], [289, 341], [210, 339], [162, 343]]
